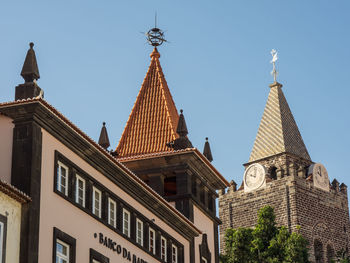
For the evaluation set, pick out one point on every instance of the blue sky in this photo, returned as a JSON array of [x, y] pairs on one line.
[[92, 60]]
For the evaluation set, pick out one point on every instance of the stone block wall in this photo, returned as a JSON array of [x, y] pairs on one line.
[[323, 216]]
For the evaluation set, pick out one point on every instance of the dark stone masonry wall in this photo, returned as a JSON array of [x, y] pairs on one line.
[[323, 216]]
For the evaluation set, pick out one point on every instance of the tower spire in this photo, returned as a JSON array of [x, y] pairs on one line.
[[30, 70], [182, 142], [153, 119], [181, 125], [30, 74], [278, 131], [104, 140], [207, 150]]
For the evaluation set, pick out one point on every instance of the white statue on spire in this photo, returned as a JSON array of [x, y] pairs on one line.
[[273, 61]]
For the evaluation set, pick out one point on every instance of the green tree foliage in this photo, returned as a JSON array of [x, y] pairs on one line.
[[265, 243]]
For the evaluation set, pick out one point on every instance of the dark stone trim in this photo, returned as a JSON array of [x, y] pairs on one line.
[[58, 234], [192, 251], [204, 251], [3, 219], [120, 205], [26, 176], [98, 256], [58, 128], [216, 243]]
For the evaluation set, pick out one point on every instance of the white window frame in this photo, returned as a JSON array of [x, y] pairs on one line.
[[139, 232], [59, 178], [163, 256], [204, 260], [61, 256], [174, 254], [111, 203], [94, 191], [2, 236], [77, 197], [126, 224], [150, 241]]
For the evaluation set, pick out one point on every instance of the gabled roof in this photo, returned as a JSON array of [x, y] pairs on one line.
[[153, 119], [278, 131]]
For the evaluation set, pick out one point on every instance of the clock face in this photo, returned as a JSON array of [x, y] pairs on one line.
[[254, 177], [320, 176]]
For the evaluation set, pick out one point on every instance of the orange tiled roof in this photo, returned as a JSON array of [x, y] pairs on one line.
[[153, 119]]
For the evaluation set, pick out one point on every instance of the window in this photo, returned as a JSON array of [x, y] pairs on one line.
[[96, 202], [62, 178], [152, 241], [96, 257], [62, 252], [112, 212], [163, 249], [173, 254], [80, 191], [139, 232], [126, 222], [63, 247], [3, 226]]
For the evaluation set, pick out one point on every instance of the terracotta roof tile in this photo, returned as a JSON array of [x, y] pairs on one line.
[[153, 119]]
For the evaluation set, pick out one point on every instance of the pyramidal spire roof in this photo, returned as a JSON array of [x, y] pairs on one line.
[[30, 70], [153, 119], [278, 131]]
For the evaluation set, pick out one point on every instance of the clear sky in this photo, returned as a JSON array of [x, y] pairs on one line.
[[92, 60]]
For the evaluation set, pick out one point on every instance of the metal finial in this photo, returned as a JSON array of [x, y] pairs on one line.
[[155, 20], [155, 36], [31, 45], [274, 72]]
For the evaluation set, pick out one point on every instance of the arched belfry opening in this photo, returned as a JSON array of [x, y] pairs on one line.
[[330, 253], [318, 251], [273, 172]]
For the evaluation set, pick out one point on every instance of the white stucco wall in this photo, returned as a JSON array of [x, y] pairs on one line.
[[6, 136], [11, 209], [57, 212], [206, 225]]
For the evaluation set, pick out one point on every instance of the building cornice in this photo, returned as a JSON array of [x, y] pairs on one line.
[[66, 132]]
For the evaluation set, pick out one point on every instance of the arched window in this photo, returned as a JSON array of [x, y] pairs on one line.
[[318, 250], [330, 253]]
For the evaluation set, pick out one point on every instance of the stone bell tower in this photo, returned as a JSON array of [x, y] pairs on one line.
[[280, 173]]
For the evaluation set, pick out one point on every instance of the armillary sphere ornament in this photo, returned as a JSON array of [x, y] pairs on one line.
[[155, 37]]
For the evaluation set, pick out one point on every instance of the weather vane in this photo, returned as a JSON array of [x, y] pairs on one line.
[[274, 72], [155, 36]]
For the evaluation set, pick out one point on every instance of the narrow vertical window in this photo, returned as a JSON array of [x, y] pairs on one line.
[[126, 222], [112, 212], [139, 232], [152, 241], [163, 249], [96, 204], [173, 254], [62, 178], [80, 191], [62, 252]]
